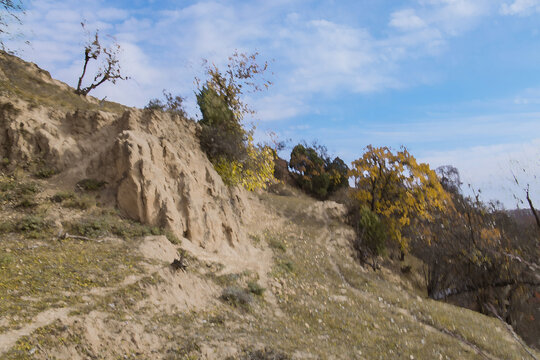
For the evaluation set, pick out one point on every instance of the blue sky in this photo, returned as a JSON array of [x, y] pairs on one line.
[[456, 81]]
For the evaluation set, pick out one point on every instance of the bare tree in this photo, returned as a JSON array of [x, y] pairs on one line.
[[526, 188], [109, 70], [9, 10]]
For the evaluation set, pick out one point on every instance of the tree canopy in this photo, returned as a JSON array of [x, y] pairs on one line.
[[228, 145], [397, 188], [315, 172]]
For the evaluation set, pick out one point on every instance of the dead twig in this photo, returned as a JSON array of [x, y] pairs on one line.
[[62, 236], [511, 330], [180, 264]]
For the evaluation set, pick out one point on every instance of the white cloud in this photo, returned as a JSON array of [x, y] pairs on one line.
[[450, 17], [278, 107], [406, 20], [528, 97], [489, 168], [314, 57], [327, 56], [520, 7]]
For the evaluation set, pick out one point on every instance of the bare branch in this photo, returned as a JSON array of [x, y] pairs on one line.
[[109, 71]]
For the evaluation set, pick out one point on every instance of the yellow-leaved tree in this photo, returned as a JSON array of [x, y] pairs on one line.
[[230, 147], [398, 189]]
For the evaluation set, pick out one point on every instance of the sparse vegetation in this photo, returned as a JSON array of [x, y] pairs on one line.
[[84, 202], [15, 191], [276, 243], [91, 184], [62, 196], [172, 104], [264, 354], [45, 172], [236, 296], [255, 288], [103, 223]]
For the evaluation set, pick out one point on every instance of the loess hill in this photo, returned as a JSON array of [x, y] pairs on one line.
[[98, 199]]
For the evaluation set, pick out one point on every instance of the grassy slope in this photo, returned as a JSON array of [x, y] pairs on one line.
[[318, 304]]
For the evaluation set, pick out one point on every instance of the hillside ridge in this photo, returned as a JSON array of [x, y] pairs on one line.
[[97, 200]]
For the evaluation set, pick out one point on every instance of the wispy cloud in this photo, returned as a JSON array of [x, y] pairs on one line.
[[521, 7], [314, 55], [489, 168]]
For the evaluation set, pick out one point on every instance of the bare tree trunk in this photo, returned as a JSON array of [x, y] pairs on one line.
[[86, 59], [533, 210]]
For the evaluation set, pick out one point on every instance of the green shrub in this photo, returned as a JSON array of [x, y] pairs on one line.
[[34, 226], [111, 224], [229, 146], [255, 288], [370, 230], [82, 203], [62, 196], [315, 172], [91, 184], [221, 135], [27, 202], [236, 296], [266, 354], [288, 266], [45, 172], [275, 243], [173, 104], [5, 259]]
